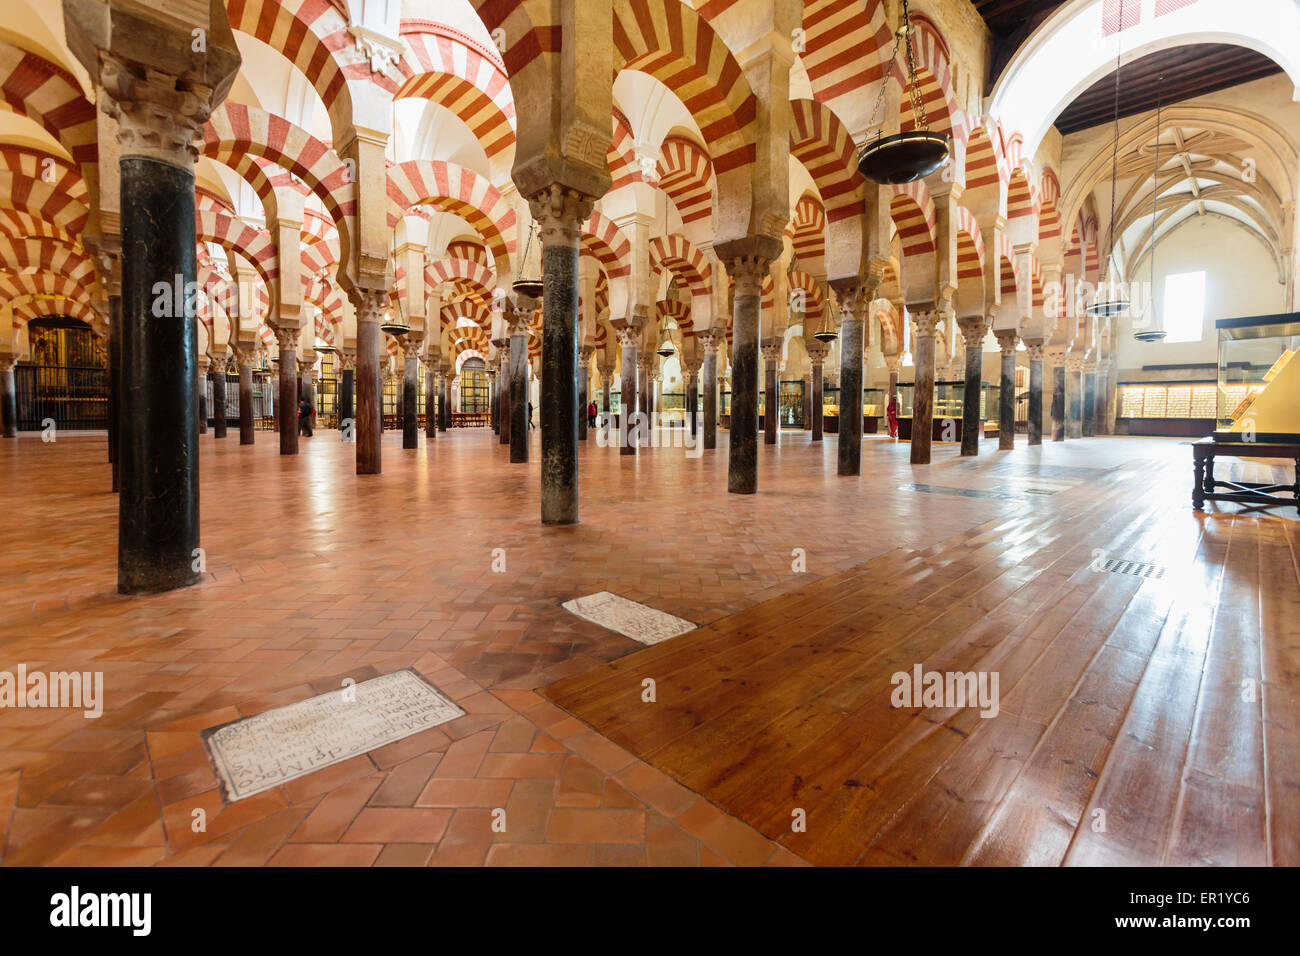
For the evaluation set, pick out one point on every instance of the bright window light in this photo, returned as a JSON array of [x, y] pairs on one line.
[[1184, 313]]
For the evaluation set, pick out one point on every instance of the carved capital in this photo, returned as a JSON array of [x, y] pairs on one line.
[[287, 339], [157, 115], [585, 353], [627, 337], [1007, 339], [772, 353], [748, 272], [924, 324], [973, 331], [560, 213]]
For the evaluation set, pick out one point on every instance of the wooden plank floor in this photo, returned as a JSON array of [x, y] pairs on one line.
[[1142, 720]]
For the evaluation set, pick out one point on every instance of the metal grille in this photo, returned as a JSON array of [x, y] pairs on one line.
[[74, 398], [1138, 568]]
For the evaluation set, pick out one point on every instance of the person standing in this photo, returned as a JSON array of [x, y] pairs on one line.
[[305, 415], [892, 412], [591, 414]]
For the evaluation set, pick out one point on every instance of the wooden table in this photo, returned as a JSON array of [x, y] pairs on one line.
[[1204, 483]]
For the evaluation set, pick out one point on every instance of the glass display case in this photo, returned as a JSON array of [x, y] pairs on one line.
[[1259, 379]]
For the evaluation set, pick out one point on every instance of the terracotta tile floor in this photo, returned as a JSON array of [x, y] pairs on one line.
[[314, 574]]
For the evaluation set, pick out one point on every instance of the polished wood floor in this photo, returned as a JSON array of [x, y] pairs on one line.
[[1146, 718], [1117, 693]]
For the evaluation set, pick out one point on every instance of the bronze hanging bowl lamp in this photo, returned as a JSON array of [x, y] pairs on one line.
[[915, 154], [1153, 331], [532, 288]]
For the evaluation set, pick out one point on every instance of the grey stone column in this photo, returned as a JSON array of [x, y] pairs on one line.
[[519, 385], [1102, 426], [444, 399], [747, 271], [8, 397], [1035, 392], [494, 405], [1057, 359], [411, 395], [627, 404], [584, 378], [817, 356], [853, 299], [709, 372], [560, 212], [370, 408], [503, 388], [307, 379], [772, 399], [1007, 339], [606, 386], [288, 389], [973, 332], [246, 422], [1089, 400], [201, 382], [924, 325], [218, 373], [347, 396], [431, 398], [1074, 395], [693, 396]]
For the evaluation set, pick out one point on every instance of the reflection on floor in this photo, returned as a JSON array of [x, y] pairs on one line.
[[1118, 693]]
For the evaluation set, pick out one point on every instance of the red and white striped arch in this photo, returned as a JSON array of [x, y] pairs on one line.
[[30, 308], [676, 254], [1007, 276], [1022, 195], [235, 235], [466, 274], [602, 237], [54, 171], [459, 191], [970, 244], [454, 71], [846, 43], [47, 255], [811, 288], [912, 210], [686, 175], [1049, 218], [985, 164], [679, 312], [671, 42], [822, 143], [471, 249], [42, 284], [43, 201], [620, 154], [32, 86], [21, 224], [807, 231]]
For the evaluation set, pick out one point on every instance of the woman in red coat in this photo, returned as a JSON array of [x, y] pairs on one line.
[[892, 412]]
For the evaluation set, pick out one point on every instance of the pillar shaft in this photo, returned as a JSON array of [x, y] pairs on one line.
[[850, 434], [923, 393], [1007, 394], [973, 333], [158, 505], [370, 412], [288, 397], [584, 377], [430, 403], [1074, 395], [628, 413], [1035, 396], [742, 447], [246, 402], [411, 400], [815, 383], [519, 397], [444, 401], [1058, 401], [9, 401], [710, 372], [1089, 404], [347, 404], [772, 399], [220, 424]]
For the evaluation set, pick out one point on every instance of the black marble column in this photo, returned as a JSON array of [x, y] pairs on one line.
[[772, 395], [9, 401], [815, 384], [584, 373], [370, 410], [849, 452], [202, 387], [246, 431], [563, 389], [220, 424], [1007, 392], [519, 397], [444, 400], [431, 402], [693, 401], [1089, 404], [973, 339], [1058, 399], [114, 387], [411, 399], [710, 388], [158, 505], [1035, 395], [503, 413], [628, 412], [347, 404], [606, 387], [288, 390], [742, 447], [923, 329]]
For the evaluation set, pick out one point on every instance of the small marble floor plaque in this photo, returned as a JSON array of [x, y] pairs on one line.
[[261, 752], [641, 623]]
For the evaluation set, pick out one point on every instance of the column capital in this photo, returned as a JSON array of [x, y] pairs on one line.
[[748, 271], [347, 361], [1090, 366], [924, 324], [585, 352], [1074, 362], [1056, 355], [1007, 339], [7, 361], [627, 336], [772, 353], [286, 338], [411, 347], [517, 320], [371, 305], [560, 211], [817, 352], [973, 330], [709, 339]]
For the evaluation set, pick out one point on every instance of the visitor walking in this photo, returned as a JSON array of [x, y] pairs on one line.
[[306, 414]]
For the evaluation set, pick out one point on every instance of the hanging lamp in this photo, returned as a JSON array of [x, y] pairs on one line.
[[826, 333], [904, 157], [1154, 329], [395, 326], [532, 288], [1112, 298]]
